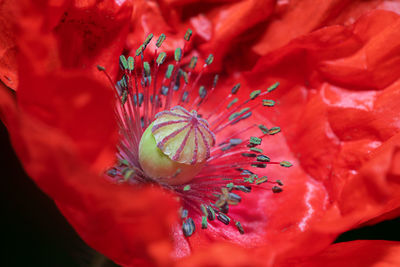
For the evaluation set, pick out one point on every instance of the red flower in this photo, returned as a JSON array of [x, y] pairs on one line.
[[337, 107]]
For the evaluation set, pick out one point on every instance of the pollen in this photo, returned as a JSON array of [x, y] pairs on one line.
[[207, 159]]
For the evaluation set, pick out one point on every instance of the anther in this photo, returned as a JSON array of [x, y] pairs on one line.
[[203, 222], [273, 87], [209, 59], [184, 213], [259, 165], [262, 180], [276, 189], [254, 141], [188, 227], [160, 40], [178, 54], [211, 213], [254, 94], [286, 164], [188, 34], [268, 103], [245, 189], [263, 158], [249, 155], [123, 63], [256, 149], [239, 227], [148, 39], [223, 218], [168, 73], [161, 58], [235, 89], [193, 62], [274, 130]]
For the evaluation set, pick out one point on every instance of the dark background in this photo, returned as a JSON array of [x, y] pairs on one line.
[[36, 234]]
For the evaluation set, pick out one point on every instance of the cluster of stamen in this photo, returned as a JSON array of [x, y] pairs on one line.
[[230, 165]]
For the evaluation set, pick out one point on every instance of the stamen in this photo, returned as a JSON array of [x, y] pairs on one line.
[[163, 143]]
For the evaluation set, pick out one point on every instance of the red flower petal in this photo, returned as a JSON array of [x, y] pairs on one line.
[[302, 17], [356, 253], [8, 61], [334, 130]]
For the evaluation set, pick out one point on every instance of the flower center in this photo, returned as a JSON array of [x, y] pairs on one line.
[[176, 149]]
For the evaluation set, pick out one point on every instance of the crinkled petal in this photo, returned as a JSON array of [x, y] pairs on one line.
[[356, 253], [343, 135], [8, 48]]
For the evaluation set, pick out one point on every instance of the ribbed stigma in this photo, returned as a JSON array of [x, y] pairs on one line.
[[157, 105]]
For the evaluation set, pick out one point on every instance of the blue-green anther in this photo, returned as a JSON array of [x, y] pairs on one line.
[[216, 77], [193, 62], [237, 114], [202, 91], [161, 58], [211, 213], [178, 54], [169, 71], [255, 149], [139, 50], [263, 129], [230, 186], [254, 94], [124, 162], [261, 180], [146, 67], [232, 103], [255, 141], [210, 59], [286, 164], [184, 213], [204, 210], [188, 34], [160, 40], [124, 97], [101, 68], [131, 63], [263, 158], [122, 62], [123, 82], [239, 227], [274, 130], [148, 39], [273, 87], [185, 76], [235, 89], [268, 103], [203, 222]]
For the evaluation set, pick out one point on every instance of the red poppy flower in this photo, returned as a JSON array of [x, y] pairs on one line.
[[336, 105]]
